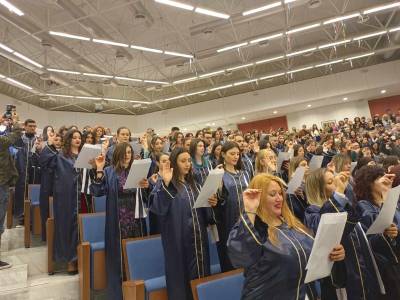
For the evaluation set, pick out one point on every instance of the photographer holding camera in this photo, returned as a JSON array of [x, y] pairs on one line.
[[10, 133]]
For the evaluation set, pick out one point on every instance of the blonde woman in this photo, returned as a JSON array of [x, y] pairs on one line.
[[266, 162], [325, 193], [272, 244]]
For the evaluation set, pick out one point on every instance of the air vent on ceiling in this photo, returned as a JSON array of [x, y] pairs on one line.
[[314, 3], [45, 76]]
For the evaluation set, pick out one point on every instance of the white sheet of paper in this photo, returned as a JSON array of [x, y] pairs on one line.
[[166, 147], [139, 170], [316, 162], [296, 180], [87, 153], [329, 235], [137, 148], [386, 215], [353, 165], [282, 156], [210, 187]]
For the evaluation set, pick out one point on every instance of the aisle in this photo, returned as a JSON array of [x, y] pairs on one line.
[[28, 278]]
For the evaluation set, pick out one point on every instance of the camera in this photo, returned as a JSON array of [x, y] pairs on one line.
[[9, 111]]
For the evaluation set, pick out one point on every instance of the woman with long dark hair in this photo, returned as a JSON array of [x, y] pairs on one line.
[[371, 188], [66, 193], [230, 203], [215, 154], [201, 165], [125, 213], [183, 228]]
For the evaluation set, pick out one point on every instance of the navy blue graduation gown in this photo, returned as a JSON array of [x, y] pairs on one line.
[[360, 280], [200, 172], [154, 223], [66, 193], [109, 186], [109, 154], [46, 184], [184, 236], [27, 166], [271, 272], [227, 211], [248, 168], [298, 204], [386, 251]]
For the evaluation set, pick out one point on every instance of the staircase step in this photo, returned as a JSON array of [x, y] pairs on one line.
[[14, 278]]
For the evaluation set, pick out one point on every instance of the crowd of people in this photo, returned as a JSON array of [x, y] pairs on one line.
[[261, 227]]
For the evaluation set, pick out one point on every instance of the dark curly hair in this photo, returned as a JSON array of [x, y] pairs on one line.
[[391, 160], [396, 171], [66, 149], [361, 162], [363, 181]]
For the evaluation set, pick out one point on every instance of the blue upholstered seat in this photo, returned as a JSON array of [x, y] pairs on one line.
[[145, 260], [93, 232], [100, 204], [34, 194], [226, 288]]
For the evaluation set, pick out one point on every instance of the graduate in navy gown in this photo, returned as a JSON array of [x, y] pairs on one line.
[[325, 193], [26, 162], [298, 201], [47, 179], [123, 136], [66, 193], [155, 149], [272, 245], [371, 188], [230, 203], [215, 154], [200, 163], [125, 212], [183, 228], [161, 161], [246, 162]]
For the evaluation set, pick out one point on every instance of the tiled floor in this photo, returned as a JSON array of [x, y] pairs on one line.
[[28, 278]]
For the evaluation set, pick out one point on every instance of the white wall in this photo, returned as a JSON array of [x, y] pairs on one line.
[[331, 112], [25, 110]]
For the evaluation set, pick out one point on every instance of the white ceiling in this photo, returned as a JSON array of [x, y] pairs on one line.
[[147, 23]]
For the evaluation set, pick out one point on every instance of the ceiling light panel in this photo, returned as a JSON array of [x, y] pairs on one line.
[[262, 8], [381, 8], [366, 36], [16, 82], [301, 52], [232, 47], [11, 7], [106, 42], [128, 78], [266, 38], [329, 45], [69, 36], [64, 71], [27, 59], [329, 63], [4, 47], [303, 28], [360, 56], [342, 18], [212, 13], [146, 49], [176, 4], [178, 54]]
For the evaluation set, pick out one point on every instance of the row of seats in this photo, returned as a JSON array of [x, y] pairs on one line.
[[143, 262], [143, 257]]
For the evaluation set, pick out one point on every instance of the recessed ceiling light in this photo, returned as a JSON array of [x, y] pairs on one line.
[[208, 124], [345, 99], [274, 112], [383, 91], [243, 118], [213, 124], [184, 129], [309, 105]]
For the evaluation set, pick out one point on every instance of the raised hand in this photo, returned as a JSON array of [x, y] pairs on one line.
[[166, 173], [341, 181], [251, 200], [50, 138], [100, 162], [104, 146]]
